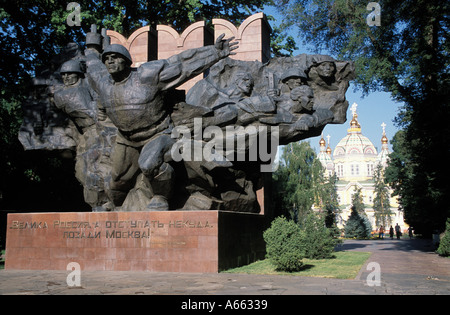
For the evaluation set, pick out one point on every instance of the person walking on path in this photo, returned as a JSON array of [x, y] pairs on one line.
[[391, 232], [397, 231], [410, 232], [381, 232]]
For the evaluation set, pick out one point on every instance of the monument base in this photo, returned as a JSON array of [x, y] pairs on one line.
[[169, 241]]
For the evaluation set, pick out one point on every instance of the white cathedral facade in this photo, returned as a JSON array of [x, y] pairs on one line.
[[354, 160]]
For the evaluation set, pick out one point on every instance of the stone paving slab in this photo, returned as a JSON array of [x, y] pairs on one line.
[[406, 267], [124, 283]]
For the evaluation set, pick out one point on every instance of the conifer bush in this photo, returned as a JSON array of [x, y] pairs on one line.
[[357, 226], [318, 241], [287, 242], [283, 244], [444, 245]]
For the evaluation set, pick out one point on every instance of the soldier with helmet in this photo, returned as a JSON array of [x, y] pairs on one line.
[[134, 100], [77, 101], [74, 98], [294, 77]]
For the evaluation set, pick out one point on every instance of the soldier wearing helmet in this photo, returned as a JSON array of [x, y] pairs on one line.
[[71, 72], [117, 60], [294, 77], [134, 100], [323, 72], [77, 101], [75, 98]]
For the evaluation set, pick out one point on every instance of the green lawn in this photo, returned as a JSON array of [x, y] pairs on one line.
[[345, 265], [2, 261]]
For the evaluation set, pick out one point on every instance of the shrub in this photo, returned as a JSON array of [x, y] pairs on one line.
[[283, 244], [318, 241], [444, 245]]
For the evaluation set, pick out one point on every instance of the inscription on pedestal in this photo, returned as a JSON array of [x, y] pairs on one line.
[[174, 241], [155, 241], [112, 229]]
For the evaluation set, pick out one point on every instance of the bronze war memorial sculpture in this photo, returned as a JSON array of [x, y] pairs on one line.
[[142, 145]]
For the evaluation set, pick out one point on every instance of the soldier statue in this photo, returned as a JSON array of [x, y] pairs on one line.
[[134, 99]]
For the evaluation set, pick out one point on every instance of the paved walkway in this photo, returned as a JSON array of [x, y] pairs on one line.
[[406, 267]]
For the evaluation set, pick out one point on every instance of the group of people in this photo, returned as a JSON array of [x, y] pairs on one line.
[[398, 232]]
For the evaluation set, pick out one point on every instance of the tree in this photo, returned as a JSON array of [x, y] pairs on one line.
[[358, 201], [298, 180], [358, 225], [413, 187], [29, 40], [381, 204], [328, 200], [318, 241], [281, 44], [407, 56], [400, 165]]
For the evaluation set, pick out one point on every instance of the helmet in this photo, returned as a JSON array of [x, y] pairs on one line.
[[71, 66], [293, 72], [318, 59], [117, 49]]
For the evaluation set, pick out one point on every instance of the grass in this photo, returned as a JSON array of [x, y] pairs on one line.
[[345, 265], [2, 261]]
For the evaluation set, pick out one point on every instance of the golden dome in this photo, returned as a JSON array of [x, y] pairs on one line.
[[322, 142], [384, 139], [354, 124]]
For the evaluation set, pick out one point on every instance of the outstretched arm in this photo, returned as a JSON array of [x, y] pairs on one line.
[[225, 47], [190, 63]]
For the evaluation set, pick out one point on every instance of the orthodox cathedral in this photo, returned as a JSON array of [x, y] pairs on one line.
[[354, 161]]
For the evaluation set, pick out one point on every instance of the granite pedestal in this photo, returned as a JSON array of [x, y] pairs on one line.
[[166, 241]]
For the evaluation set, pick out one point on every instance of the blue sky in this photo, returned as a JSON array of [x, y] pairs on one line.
[[373, 109]]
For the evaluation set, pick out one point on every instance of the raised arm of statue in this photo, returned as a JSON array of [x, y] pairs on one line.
[[190, 63], [96, 71]]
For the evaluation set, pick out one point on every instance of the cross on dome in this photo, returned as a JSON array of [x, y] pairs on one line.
[[328, 147], [384, 139], [353, 108], [354, 125]]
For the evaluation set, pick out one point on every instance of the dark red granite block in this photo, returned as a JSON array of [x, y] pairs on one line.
[[175, 241]]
